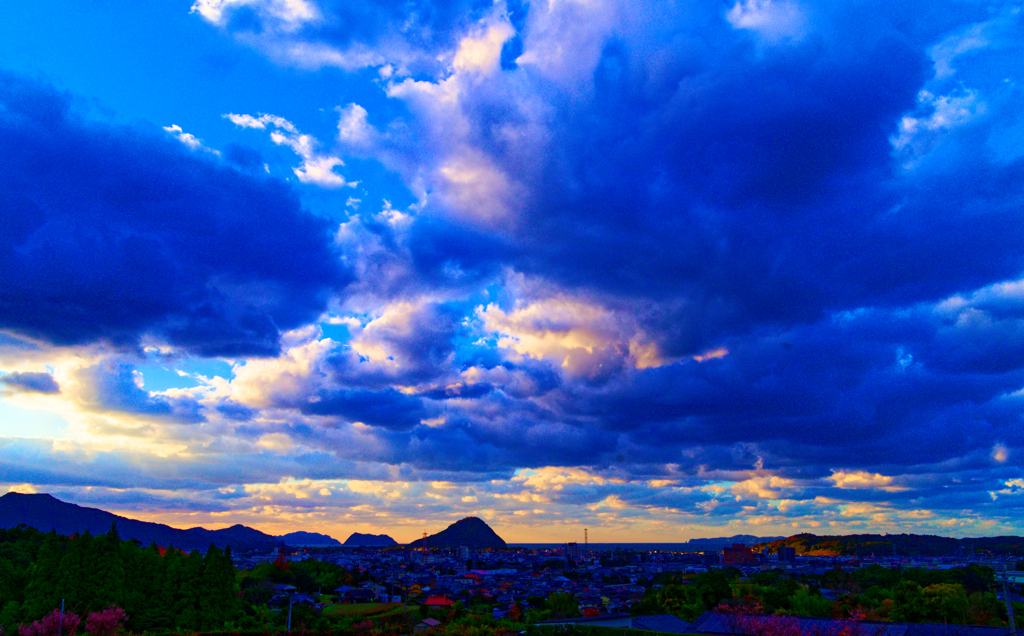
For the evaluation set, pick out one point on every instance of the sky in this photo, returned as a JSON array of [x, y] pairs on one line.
[[657, 270]]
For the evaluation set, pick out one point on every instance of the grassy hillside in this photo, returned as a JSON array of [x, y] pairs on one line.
[[904, 544]]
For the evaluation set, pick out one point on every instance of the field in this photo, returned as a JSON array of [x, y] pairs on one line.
[[363, 610]]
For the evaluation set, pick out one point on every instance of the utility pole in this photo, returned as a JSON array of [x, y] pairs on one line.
[[1006, 597]]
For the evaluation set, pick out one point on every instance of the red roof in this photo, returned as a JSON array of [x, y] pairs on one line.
[[438, 601]]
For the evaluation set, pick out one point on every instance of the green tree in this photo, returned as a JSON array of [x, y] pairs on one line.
[[804, 603], [108, 571], [908, 602], [946, 603], [146, 599], [221, 600], [985, 609], [43, 591], [563, 605]]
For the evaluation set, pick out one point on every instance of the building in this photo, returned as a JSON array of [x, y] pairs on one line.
[[738, 554]]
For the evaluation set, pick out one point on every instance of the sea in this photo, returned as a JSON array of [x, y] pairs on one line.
[[640, 547]]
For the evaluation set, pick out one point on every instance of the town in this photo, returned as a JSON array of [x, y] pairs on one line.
[[573, 585]]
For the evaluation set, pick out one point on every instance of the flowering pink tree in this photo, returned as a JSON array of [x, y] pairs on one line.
[[52, 625], [750, 620], [109, 622]]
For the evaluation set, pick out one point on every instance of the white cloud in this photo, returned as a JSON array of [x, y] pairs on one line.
[[261, 122], [314, 56], [1002, 31], [936, 117], [773, 20], [584, 339], [316, 168], [762, 487], [859, 479], [353, 128], [287, 15], [188, 139], [481, 52]]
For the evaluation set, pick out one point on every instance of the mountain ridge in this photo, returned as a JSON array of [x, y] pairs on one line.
[[45, 513], [358, 539], [807, 544]]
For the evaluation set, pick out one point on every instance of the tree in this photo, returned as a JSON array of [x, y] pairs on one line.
[[563, 605], [55, 623], [43, 591], [108, 570], [908, 602], [109, 622], [945, 602]]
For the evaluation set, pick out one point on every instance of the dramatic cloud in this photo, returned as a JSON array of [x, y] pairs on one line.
[[742, 267], [116, 235]]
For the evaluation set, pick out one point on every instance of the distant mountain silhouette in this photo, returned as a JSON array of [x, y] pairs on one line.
[[471, 532], [720, 542], [370, 540], [310, 539], [45, 513]]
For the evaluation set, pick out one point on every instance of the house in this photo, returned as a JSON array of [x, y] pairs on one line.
[[438, 601], [425, 625], [358, 595]]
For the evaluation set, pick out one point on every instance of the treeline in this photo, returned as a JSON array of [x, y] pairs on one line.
[[158, 589], [961, 596]]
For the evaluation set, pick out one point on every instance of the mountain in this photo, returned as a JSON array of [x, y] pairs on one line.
[[310, 539], [723, 542], [895, 544], [471, 532], [45, 512], [370, 540]]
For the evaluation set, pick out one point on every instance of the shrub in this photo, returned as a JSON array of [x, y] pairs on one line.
[[109, 622], [52, 625]]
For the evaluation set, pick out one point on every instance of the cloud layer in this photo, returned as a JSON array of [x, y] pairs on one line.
[[739, 268]]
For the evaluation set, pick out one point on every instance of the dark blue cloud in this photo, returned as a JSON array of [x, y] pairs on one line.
[[29, 382], [113, 233], [235, 411], [389, 408]]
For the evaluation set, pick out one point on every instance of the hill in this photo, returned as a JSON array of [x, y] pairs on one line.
[[899, 544], [471, 532], [310, 539], [720, 542], [45, 513], [369, 540]]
